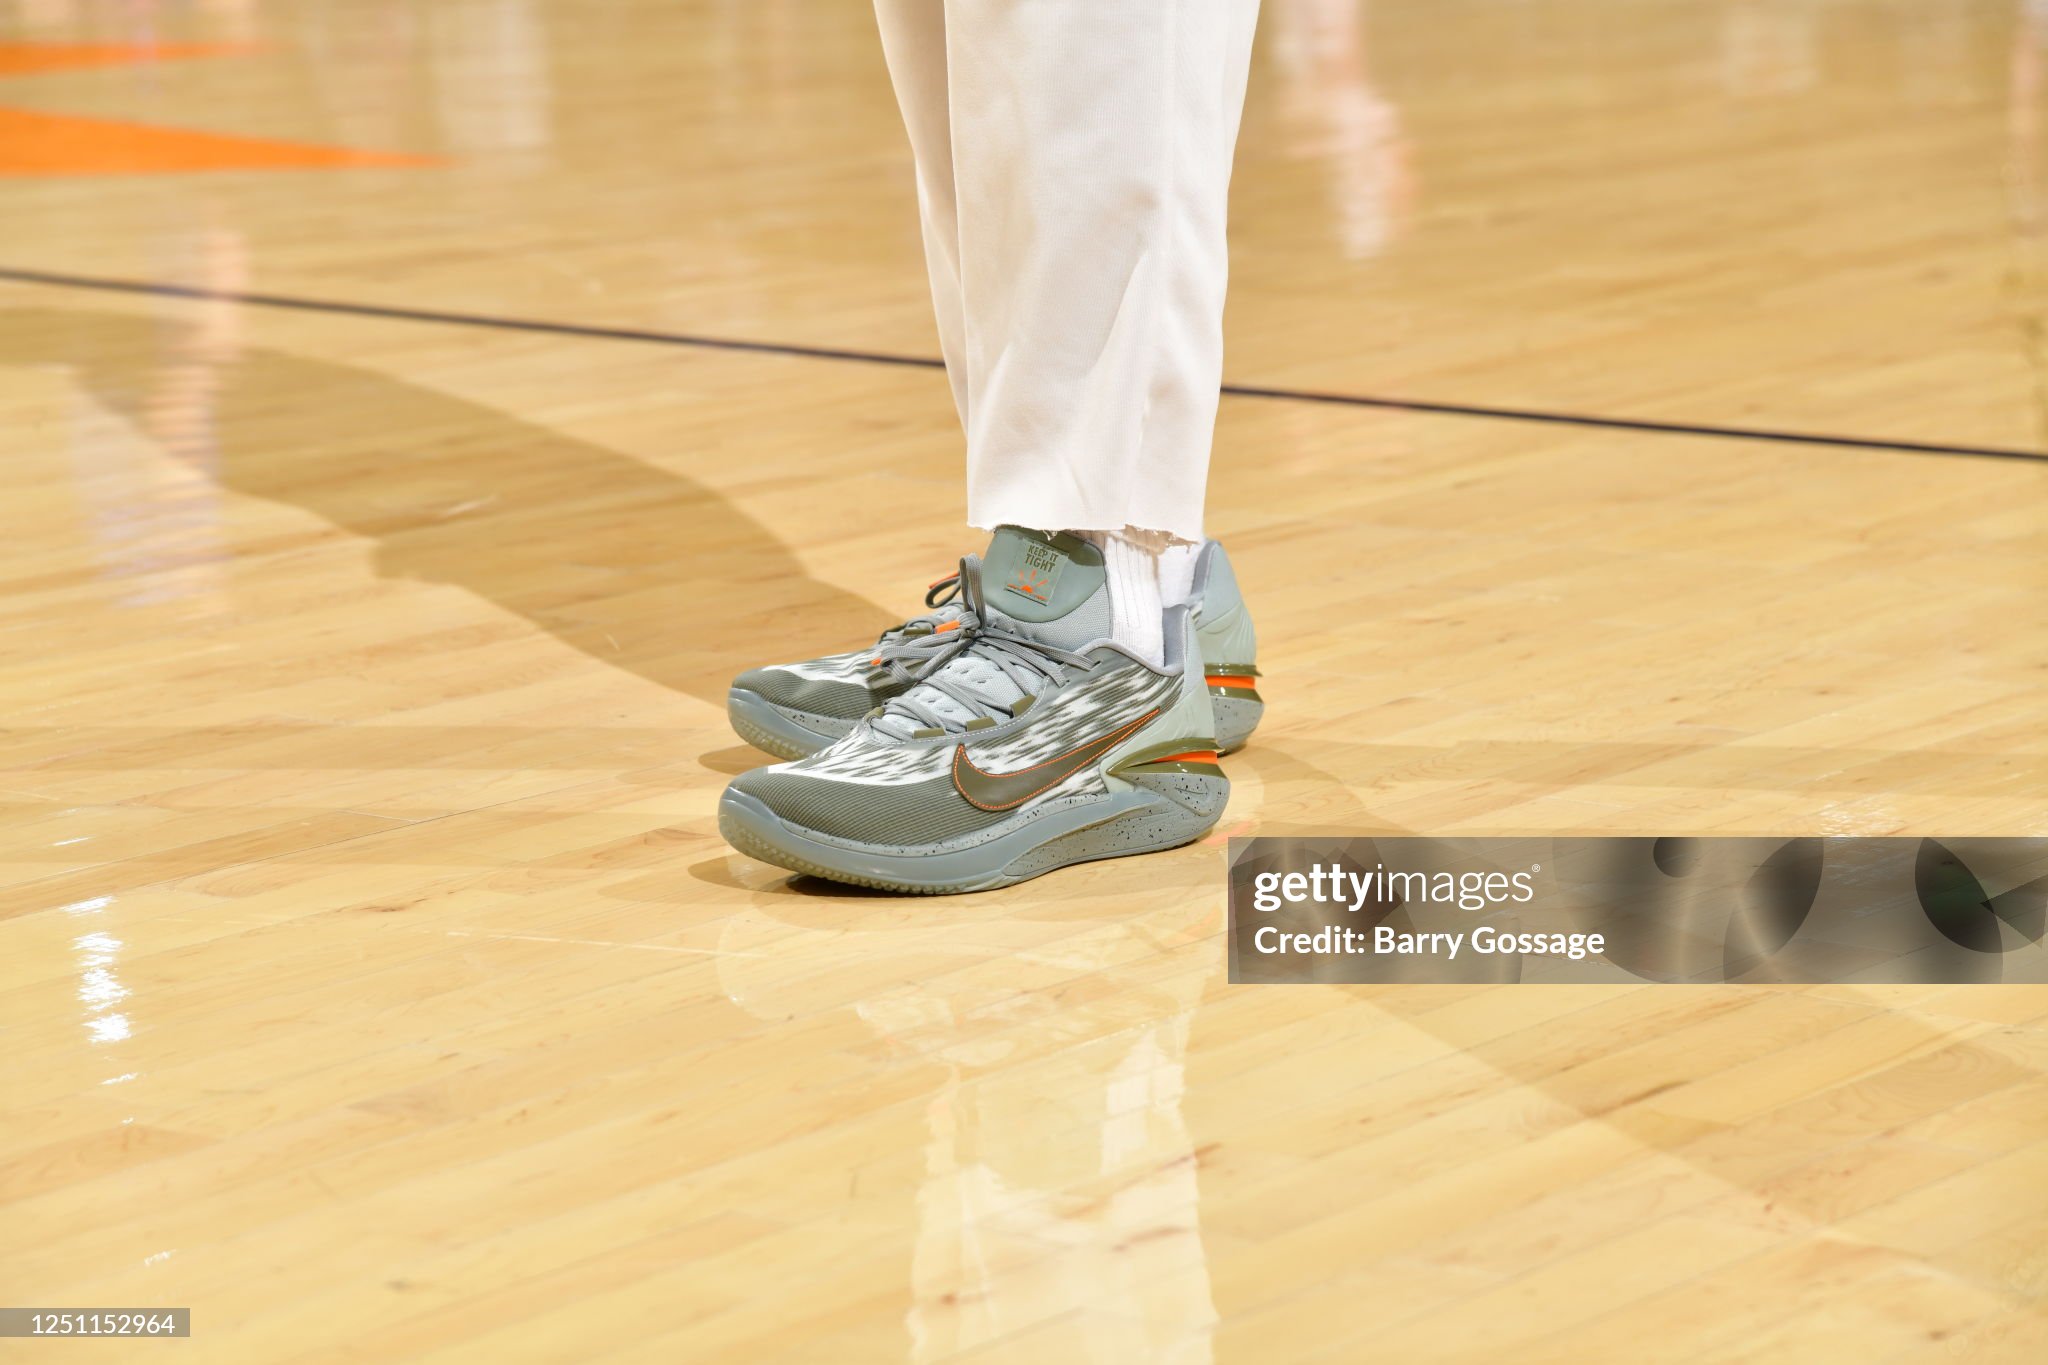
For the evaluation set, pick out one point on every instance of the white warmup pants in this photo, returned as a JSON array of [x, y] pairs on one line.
[[1073, 169]]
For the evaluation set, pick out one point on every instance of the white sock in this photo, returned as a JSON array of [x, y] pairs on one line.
[[1133, 561], [1177, 573]]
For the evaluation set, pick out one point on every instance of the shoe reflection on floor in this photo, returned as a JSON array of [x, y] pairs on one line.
[[1058, 1210]]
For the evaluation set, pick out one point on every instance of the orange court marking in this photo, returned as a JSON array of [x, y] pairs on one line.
[[29, 59], [35, 143]]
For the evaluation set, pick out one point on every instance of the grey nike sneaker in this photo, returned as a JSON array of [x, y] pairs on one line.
[[1025, 741], [795, 709]]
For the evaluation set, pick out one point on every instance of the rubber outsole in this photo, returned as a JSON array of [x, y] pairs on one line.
[[743, 838], [1236, 718], [754, 719], [1151, 816]]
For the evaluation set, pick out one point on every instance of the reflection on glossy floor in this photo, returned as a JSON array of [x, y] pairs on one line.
[[374, 980]]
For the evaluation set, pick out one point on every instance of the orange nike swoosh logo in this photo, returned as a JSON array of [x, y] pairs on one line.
[[1006, 791]]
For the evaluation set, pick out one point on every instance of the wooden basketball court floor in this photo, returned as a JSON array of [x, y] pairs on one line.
[[412, 414]]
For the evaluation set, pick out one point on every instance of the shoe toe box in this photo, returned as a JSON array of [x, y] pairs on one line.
[[845, 698]]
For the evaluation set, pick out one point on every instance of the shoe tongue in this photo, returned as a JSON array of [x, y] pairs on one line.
[[1053, 587], [1047, 588]]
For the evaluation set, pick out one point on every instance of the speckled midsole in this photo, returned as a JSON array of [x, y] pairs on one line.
[[1138, 818]]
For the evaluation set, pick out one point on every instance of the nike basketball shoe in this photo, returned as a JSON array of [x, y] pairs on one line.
[[1024, 742], [795, 709]]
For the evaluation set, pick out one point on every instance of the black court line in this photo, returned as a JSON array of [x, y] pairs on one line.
[[866, 357]]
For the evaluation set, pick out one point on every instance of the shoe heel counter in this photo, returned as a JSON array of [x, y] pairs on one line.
[[1230, 650], [1228, 638]]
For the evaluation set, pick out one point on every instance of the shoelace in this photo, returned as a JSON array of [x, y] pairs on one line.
[[937, 596], [1026, 662]]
